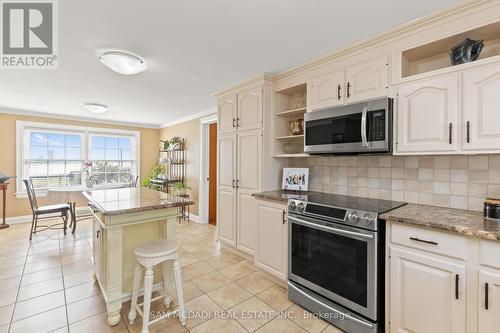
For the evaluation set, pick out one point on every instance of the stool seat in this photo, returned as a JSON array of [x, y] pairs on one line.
[[158, 248]]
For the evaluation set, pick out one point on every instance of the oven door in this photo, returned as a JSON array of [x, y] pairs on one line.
[[336, 261]]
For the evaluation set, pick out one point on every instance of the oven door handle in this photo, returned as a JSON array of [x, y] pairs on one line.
[[329, 229], [346, 315], [363, 127]]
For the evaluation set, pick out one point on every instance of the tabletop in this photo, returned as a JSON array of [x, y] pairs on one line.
[[73, 193]]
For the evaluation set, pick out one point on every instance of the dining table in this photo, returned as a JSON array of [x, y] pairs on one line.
[[72, 195]]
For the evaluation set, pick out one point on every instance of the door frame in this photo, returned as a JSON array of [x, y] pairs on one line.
[[204, 167]]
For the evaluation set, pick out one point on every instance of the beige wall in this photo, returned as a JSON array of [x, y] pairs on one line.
[[189, 130], [19, 207]]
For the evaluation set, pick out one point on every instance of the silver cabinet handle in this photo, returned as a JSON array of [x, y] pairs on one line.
[[468, 131], [450, 133], [363, 126], [330, 229]]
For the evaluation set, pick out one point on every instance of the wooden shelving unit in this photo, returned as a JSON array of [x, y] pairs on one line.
[[435, 55], [286, 110]]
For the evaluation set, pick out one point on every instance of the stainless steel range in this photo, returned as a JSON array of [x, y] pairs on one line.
[[336, 259]]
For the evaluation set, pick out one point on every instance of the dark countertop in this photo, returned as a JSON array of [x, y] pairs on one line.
[[131, 200], [465, 222]]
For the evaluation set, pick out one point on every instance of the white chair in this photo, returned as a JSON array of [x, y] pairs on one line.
[[149, 255]]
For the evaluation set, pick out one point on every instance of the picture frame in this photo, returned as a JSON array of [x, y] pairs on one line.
[[295, 179]]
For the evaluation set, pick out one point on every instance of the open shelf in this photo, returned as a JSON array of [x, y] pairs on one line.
[[294, 113], [435, 55], [290, 137]]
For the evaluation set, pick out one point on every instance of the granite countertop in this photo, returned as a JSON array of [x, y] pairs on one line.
[[131, 200], [460, 221], [282, 195]]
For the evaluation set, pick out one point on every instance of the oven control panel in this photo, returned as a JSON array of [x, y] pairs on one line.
[[353, 217]]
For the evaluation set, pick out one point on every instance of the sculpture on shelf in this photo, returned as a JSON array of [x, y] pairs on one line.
[[466, 51]]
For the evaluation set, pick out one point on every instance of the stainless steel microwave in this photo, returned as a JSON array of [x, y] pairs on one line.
[[357, 128]]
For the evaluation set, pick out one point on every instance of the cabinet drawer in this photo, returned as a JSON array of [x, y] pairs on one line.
[[441, 243], [489, 253]]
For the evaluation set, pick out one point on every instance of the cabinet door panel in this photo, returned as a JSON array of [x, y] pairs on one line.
[[249, 161], [250, 109], [327, 90], [271, 251], [489, 318], [425, 111], [226, 114], [247, 223], [227, 161], [226, 216], [482, 108], [423, 298], [367, 80]]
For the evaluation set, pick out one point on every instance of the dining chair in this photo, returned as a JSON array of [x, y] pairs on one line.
[[45, 212], [133, 181]]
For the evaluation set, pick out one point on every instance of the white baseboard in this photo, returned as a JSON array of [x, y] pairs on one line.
[[195, 218], [28, 218]]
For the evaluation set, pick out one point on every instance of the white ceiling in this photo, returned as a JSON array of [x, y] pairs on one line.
[[194, 48]]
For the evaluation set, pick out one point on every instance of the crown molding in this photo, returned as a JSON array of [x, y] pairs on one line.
[[259, 79], [190, 117], [74, 118]]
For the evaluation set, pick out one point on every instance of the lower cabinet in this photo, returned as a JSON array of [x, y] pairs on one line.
[[271, 250], [442, 282], [97, 248], [427, 293]]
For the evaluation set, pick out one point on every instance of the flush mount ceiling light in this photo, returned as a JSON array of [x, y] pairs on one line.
[[96, 107], [123, 62]]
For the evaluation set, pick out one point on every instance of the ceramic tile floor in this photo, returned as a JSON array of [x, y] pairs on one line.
[[47, 286]]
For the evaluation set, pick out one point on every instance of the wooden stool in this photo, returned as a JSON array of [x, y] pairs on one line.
[[149, 255]]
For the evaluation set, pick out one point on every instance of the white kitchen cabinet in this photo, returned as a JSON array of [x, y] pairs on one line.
[[327, 90], [367, 80], [249, 111], [271, 251], [481, 108], [97, 248], [427, 113], [489, 301], [248, 181], [427, 293], [226, 114], [226, 190]]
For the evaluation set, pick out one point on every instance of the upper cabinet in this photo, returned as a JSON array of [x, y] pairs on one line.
[[367, 80], [481, 108], [241, 111], [427, 115], [226, 114]]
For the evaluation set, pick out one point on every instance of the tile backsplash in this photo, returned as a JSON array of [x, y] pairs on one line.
[[450, 181]]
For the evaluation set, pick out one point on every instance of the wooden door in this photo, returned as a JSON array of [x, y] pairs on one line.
[[489, 301], [327, 90], [427, 114], [226, 114], [212, 174], [367, 80], [427, 293], [250, 109], [249, 181], [226, 191], [482, 108], [271, 250]]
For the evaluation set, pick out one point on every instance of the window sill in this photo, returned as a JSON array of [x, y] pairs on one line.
[[24, 195]]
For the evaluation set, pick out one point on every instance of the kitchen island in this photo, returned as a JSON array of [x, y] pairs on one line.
[[122, 219]]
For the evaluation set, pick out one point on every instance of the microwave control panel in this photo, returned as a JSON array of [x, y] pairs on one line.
[[376, 125]]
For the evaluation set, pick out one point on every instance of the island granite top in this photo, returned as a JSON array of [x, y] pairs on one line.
[[132, 199], [465, 222]]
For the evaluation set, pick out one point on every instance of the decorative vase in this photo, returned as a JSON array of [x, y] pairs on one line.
[[89, 183], [296, 127], [181, 191], [466, 51]]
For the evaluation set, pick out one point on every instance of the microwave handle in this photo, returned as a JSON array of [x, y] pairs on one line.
[[363, 126]]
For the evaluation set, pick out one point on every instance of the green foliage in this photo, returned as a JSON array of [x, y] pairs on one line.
[[153, 174], [181, 186]]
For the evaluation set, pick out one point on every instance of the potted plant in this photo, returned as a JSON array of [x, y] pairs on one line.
[[181, 189], [87, 170], [166, 144], [175, 142], [153, 174]]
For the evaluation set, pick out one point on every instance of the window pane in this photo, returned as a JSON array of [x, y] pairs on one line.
[[37, 169], [126, 154], [112, 166], [126, 167], [38, 139], [111, 142], [73, 141], [56, 140], [57, 168], [112, 178], [73, 173], [73, 154], [99, 178], [97, 154], [125, 143], [55, 153], [125, 178], [98, 166], [38, 153], [112, 154]]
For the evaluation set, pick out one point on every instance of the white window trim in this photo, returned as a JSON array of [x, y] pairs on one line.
[[86, 131]]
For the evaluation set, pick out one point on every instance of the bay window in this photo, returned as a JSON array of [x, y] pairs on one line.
[[52, 155]]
